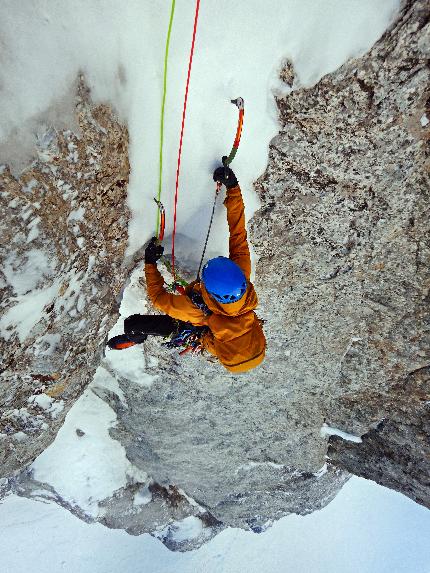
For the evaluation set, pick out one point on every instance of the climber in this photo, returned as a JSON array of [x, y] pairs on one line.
[[216, 313]]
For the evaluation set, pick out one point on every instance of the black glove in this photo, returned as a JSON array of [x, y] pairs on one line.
[[225, 175], [153, 251]]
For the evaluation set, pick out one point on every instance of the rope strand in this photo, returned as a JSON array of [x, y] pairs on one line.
[[217, 190], [196, 17], [166, 58]]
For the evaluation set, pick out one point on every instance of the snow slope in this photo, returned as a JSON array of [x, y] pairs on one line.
[[366, 529], [120, 47]]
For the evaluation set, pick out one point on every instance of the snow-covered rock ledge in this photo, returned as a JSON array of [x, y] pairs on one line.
[[64, 233]]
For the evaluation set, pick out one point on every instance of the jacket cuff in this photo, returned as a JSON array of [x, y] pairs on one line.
[[231, 193]]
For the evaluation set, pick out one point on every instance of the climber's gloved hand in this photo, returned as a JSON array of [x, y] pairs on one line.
[[225, 175], [153, 252]]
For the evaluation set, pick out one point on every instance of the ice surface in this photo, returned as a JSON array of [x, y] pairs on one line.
[[120, 49], [327, 431]]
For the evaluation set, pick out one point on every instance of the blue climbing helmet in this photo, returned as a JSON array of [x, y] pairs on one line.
[[224, 280]]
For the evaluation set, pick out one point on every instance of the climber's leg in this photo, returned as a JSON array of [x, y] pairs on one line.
[[138, 325]]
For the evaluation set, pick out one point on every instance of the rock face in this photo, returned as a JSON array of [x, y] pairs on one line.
[[343, 234], [343, 282], [64, 233], [343, 241]]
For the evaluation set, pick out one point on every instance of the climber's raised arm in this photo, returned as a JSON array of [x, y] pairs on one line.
[[238, 243]]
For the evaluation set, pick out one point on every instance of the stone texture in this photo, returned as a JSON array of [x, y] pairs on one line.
[[343, 234], [68, 207], [396, 452], [343, 243]]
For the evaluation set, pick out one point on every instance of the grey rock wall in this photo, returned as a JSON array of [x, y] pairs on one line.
[[63, 224], [344, 244], [342, 277]]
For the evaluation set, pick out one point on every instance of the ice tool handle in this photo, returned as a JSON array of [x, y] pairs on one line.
[[240, 104]]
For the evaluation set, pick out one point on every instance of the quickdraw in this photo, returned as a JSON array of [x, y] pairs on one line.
[[161, 224], [179, 284]]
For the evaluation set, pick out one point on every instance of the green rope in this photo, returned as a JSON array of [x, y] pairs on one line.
[[166, 57]]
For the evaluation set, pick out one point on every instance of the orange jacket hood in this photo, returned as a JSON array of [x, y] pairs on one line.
[[248, 302]]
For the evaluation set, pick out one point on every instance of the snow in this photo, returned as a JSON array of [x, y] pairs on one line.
[[19, 436], [46, 344], [89, 467], [327, 431], [131, 364], [239, 50], [45, 402], [186, 529], [76, 215], [142, 497], [424, 120], [42, 400], [26, 313], [322, 471], [14, 203], [23, 273], [365, 529], [75, 280], [34, 230], [30, 186], [252, 465]]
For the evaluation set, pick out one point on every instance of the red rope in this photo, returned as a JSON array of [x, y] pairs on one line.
[[182, 134]]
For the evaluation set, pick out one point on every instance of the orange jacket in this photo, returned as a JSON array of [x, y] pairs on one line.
[[235, 335]]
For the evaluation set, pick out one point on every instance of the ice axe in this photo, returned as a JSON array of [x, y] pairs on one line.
[[226, 160]]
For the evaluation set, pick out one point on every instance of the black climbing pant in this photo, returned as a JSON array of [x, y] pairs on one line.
[[138, 326]]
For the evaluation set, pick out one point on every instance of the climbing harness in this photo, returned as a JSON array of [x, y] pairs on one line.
[[189, 339]]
